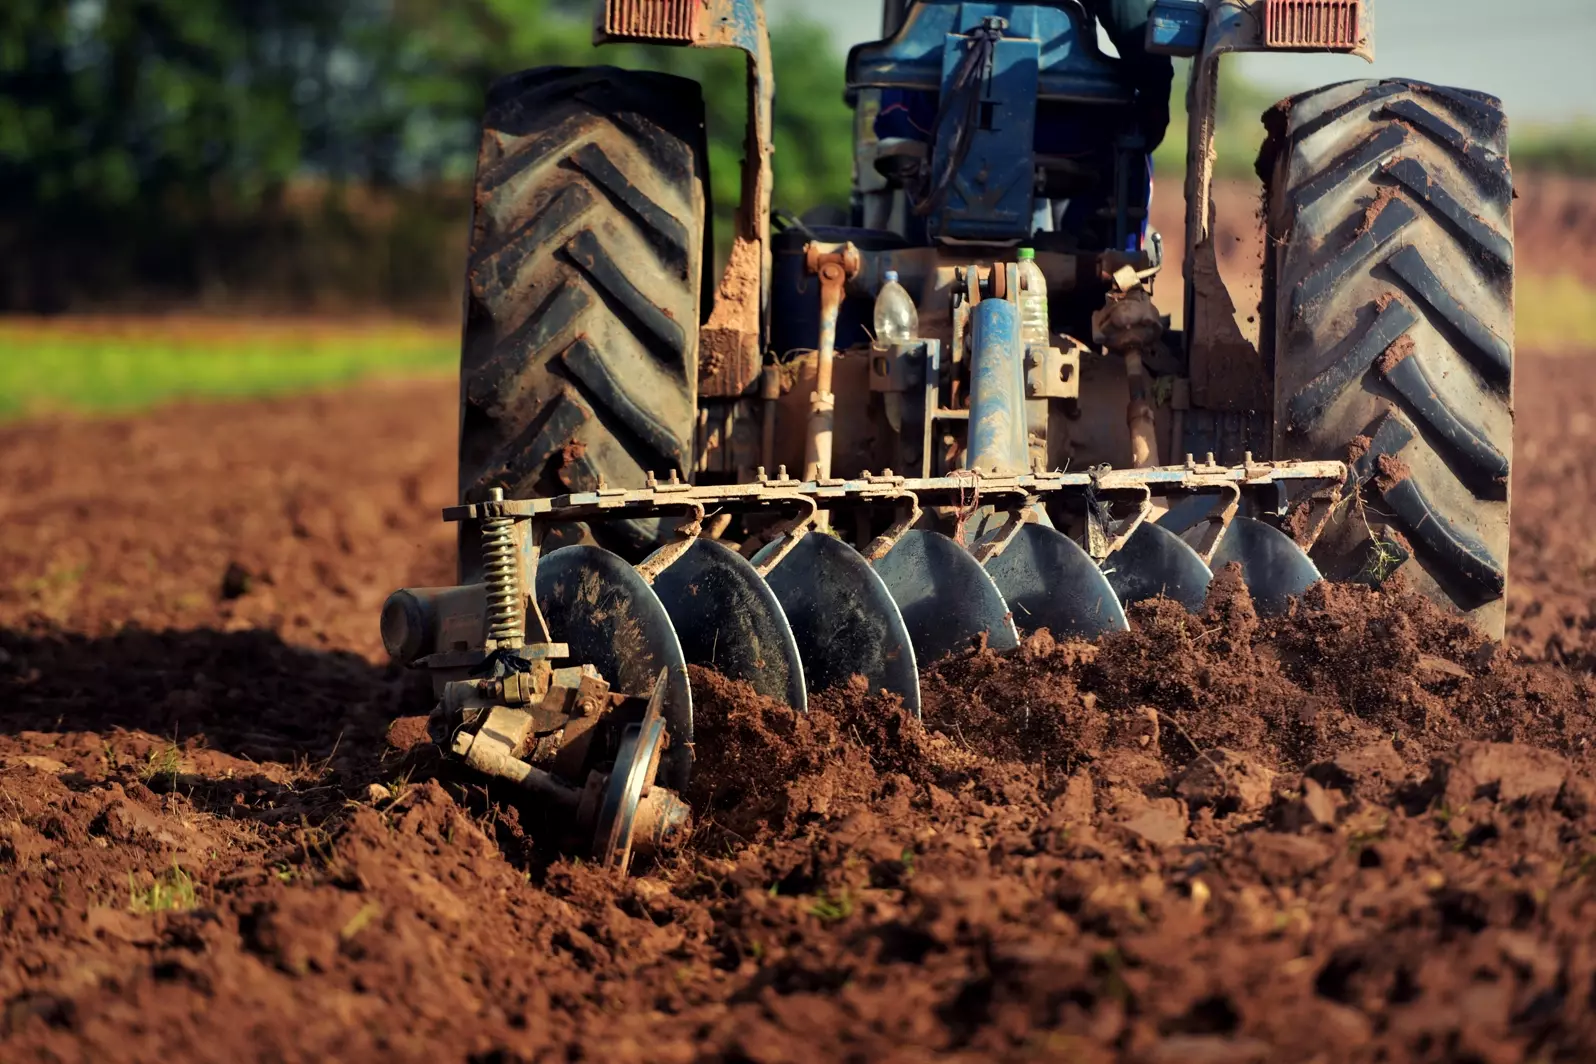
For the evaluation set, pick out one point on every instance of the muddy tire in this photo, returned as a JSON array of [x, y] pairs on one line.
[[579, 362], [1388, 293]]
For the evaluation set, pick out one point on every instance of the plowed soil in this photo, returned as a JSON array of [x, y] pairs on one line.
[[1355, 834]]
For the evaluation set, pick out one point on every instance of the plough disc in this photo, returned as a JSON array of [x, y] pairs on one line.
[[611, 619], [1154, 562], [728, 619], [1050, 582], [1273, 567], [947, 599], [843, 617]]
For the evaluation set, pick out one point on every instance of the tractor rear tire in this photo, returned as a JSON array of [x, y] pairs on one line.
[[584, 285], [1388, 294]]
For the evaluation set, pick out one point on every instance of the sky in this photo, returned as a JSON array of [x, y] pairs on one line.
[[1538, 55]]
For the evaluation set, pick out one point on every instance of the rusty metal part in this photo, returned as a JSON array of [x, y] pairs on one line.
[[788, 535], [731, 342], [503, 727], [1052, 372], [686, 532], [784, 496], [770, 394], [996, 542], [1139, 414], [633, 814], [1314, 25], [491, 751], [1129, 326], [909, 514], [834, 268], [662, 21]]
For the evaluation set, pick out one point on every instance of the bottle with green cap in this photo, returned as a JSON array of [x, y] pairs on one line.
[[1033, 301]]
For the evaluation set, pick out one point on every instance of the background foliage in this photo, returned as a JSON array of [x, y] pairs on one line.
[[317, 153], [307, 149]]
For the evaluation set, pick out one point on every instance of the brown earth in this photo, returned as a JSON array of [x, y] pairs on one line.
[[1357, 834]]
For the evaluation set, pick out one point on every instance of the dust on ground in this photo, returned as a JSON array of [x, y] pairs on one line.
[[1357, 833]]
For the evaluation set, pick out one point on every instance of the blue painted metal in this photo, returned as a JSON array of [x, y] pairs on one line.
[[1071, 67], [1177, 27], [992, 195], [738, 23], [997, 390]]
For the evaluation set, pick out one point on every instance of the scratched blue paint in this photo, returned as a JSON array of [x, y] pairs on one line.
[[742, 16], [997, 389]]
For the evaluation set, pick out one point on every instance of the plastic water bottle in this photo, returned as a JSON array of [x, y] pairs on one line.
[[1033, 302], [897, 320]]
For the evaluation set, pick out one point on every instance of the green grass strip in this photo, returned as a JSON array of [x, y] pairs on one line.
[[81, 366], [1555, 315]]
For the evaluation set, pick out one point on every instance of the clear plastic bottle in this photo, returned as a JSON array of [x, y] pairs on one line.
[[897, 320], [1033, 302]]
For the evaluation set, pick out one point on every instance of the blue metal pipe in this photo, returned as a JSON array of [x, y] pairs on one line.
[[997, 389]]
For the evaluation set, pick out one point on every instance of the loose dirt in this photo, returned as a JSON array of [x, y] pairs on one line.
[[1358, 833]]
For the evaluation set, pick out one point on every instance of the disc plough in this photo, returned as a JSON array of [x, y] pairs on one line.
[[874, 577]]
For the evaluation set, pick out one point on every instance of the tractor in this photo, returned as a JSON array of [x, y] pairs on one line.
[[749, 473]]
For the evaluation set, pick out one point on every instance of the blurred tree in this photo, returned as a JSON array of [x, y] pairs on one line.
[[128, 128], [108, 103]]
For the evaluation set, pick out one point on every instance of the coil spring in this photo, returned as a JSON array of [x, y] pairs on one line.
[[502, 576]]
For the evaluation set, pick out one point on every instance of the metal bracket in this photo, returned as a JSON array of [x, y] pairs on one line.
[[665, 556], [1144, 510], [790, 533], [995, 543], [908, 517], [1053, 373]]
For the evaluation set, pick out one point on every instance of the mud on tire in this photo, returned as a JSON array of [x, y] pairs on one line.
[[1388, 292], [579, 361]]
